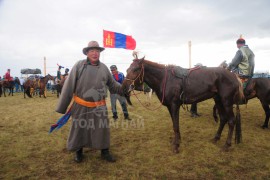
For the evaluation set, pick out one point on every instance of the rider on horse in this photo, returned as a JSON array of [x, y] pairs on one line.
[[243, 62], [59, 73], [7, 76], [66, 73]]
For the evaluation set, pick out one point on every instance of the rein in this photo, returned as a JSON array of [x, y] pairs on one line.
[[141, 80]]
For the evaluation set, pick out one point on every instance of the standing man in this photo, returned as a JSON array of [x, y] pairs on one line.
[[17, 86], [119, 77], [87, 84], [21, 83], [243, 62]]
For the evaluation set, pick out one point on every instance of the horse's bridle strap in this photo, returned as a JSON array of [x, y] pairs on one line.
[[141, 80]]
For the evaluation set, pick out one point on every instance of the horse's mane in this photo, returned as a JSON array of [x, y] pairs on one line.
[[156, 65]]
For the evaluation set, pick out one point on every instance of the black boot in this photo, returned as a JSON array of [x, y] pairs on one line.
[[127, 117], [115, 117], [79, 155], [105, 154]]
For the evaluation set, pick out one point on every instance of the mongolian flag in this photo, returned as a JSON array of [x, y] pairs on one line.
[[118, 40]]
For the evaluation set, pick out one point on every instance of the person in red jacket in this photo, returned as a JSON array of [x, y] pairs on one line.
[[7, 75]]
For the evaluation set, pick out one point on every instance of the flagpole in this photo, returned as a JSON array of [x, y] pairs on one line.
[[189, 48]]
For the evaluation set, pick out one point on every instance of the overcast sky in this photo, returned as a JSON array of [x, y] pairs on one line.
[[60, 29]]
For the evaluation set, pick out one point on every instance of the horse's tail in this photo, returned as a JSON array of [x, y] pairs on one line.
[[238, 130], [241, 96]]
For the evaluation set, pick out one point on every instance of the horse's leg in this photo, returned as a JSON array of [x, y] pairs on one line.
[[267, 114], [174, 112], [231, 123], [44, 94], [9, 91], [4, 89], [215, 113], [223, 118]]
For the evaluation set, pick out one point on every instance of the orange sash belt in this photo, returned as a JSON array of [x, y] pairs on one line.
[[88, 103]]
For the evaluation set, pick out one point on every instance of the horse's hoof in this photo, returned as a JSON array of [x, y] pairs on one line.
[[264, 126], [226, 147], [176, 151], [214, 140]]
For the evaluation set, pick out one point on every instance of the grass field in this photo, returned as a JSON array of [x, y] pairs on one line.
[[142, 146]]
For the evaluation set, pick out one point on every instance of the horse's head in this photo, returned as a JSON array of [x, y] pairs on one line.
[[134, 78], [135, 75]]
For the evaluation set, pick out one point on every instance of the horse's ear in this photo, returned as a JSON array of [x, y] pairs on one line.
[[142, 59]]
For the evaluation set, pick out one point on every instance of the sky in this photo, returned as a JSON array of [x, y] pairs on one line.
[[59, 29]]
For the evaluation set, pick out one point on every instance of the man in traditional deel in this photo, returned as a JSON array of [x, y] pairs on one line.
[[87, 84]]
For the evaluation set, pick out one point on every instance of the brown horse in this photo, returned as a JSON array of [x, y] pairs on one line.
[[175, 86], [260, 88], [42, 84], [256, 87], [39, 84], [8, 85]]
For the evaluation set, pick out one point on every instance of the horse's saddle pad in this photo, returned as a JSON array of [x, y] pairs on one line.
[[180, 72]]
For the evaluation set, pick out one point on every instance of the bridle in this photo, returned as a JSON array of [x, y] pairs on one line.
[[141, 81], [138, 77]]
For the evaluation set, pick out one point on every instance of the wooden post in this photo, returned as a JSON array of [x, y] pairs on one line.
[[189, 48], [44, 66], [45, 91]]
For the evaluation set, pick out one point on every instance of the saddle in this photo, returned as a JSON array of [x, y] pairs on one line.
[[181, 73]]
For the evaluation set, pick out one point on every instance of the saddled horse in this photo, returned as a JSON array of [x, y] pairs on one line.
[[40, 84], [256, 87], [260, 88], [43, 82], [8, 84], [189, 87]]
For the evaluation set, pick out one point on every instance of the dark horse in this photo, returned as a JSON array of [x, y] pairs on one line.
[[256, 87], [260, 88], [8, 85], [40, 84], [190, 87]]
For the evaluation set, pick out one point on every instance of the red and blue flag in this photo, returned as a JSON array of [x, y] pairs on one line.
[[118, 40]]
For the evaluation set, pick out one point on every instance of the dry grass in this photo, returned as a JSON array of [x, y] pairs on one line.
[[142, 146]]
